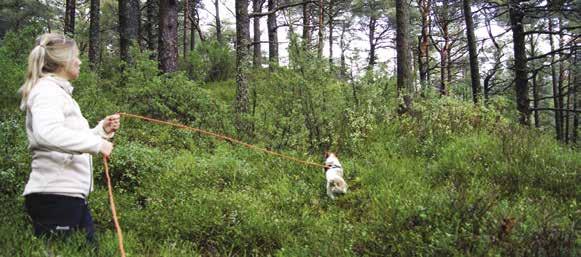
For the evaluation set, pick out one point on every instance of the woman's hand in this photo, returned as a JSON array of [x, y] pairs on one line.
[[106, 148], [111, 123]]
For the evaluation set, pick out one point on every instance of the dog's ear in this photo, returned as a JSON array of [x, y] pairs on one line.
[[326, 154]]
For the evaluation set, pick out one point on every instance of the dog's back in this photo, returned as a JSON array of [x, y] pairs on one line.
[[334, 175]]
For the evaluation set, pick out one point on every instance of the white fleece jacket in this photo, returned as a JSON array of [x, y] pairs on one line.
[[60, 141]]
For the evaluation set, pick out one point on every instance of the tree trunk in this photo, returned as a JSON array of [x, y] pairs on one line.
[[128, 27], [404, 72], [449, 67], [306, 26], [168, 35], [569, 107], [330, 10], [444, 51], [343, 49], [272, 34], [555, 84], [564, 115], [242, 65], [70, 10], [535, 85], [321, 26], [536, 100], [576, 86], [194, 24], [472, 51], [516, 16], [187, 19], [218, 22], [94, 34], [149, 27], [424, 45], [372, 56], [256, 8]]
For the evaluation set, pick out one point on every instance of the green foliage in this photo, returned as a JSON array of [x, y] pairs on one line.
[[446, 179], [14, 164], [14, 51], [171, 96], [212, 61], [132, 162]]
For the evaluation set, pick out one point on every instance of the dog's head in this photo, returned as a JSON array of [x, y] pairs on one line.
[[331, 160], [329, 154]]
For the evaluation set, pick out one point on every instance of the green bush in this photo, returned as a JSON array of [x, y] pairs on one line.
[[527, 162], [211, 61], [15, 161], [14, 50]]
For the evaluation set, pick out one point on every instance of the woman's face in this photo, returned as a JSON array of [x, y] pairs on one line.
[[74, 68]]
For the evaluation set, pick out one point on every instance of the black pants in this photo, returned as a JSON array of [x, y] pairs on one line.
[[57, 215]]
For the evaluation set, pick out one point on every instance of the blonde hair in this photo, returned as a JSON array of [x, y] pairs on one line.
[[51, 53]]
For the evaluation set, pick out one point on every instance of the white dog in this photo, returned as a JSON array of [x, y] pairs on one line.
[[334, 174]]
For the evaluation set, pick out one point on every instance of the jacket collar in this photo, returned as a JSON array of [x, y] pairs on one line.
[[63, 83]]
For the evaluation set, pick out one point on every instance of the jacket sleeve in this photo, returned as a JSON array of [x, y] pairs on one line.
[[100, 131], [48, 129]]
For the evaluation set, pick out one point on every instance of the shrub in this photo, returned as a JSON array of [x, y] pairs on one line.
[[15, 161], [522, 163], [212, 61], [14, 50]]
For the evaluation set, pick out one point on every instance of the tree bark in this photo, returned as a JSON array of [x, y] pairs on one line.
[[404, 74], [343, 49], [564, 115], [445, 50], [556, 91], [94, 34], [256, 7], [321, 26], [168, 35], [149, 27], [218, 22], [242, 65], [187, 20], [424, 45], [576, 86], [70, 11], [306, 26], [194, 24], [568, 115], [472, 51], [516, 16], [331, 24], [535, 86], [129, 13], [272, 35], [372, 56]]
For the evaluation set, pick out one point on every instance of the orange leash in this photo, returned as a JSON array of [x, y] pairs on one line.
[[216, 135], [226, 138], [117, 227]]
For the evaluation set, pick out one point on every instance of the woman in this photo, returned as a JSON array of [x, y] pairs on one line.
[[60, 140]]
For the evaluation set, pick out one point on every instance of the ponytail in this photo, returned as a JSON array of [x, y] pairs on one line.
[[33, 73], [52, 52]]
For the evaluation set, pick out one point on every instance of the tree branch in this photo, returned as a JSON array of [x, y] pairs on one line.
[[555, 109], [278, 8], [549, 53]]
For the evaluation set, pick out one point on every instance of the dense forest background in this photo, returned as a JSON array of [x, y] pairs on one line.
[[457, 124]]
